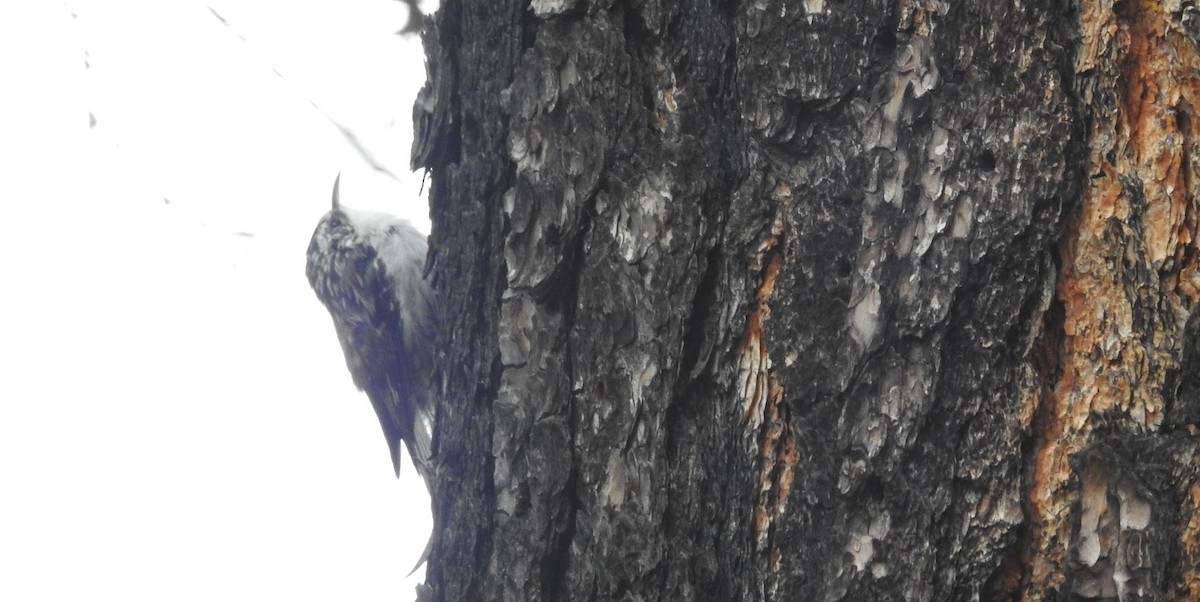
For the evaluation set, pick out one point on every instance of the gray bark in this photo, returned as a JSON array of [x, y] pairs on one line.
[[772, 301]]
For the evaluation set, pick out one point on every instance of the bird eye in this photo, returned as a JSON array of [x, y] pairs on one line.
[[335, 221]]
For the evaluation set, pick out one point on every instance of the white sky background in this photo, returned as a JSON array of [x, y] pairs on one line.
[[176, 418]]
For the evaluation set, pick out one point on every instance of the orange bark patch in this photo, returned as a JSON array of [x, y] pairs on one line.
[[754, 360], [1128, 261], [763, 410]]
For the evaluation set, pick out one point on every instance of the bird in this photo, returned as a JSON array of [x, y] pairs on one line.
[[367, 268]]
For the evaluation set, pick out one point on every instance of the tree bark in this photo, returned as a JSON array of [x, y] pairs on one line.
[[819, 300]]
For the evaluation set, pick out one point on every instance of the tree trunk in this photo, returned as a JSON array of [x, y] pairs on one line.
[[820, 300]]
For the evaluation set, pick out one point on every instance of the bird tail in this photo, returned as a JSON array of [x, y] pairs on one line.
[[424, 556]]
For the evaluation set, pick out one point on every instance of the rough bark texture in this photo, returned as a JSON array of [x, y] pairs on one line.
[[855, 300]]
